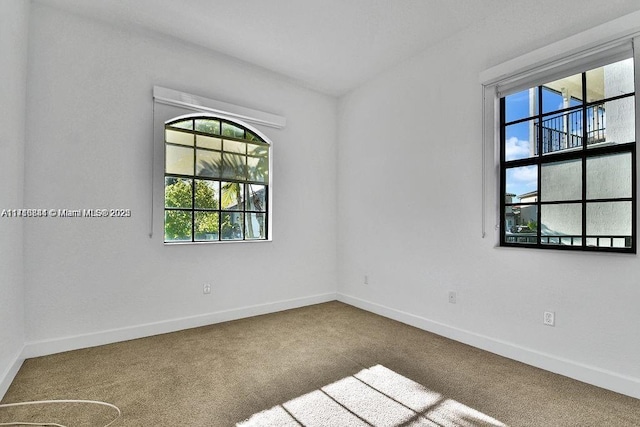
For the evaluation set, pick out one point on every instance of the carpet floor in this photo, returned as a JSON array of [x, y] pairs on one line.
[[345, 361]]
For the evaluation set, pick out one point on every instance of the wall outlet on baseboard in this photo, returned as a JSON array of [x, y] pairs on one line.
[[206, 288], [549, 318], [453, 297]]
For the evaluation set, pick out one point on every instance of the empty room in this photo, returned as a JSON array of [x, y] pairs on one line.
[[319, 213]]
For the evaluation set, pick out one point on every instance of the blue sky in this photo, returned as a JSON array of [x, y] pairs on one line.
[[518, 142]]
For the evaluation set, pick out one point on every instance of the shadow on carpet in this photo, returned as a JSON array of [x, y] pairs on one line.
[[376, 397]]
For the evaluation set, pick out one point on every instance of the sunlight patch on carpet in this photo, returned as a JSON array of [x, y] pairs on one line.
[[376, 397]]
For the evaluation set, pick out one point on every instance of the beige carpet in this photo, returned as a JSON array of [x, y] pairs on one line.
[[372, 397], [224, 374]]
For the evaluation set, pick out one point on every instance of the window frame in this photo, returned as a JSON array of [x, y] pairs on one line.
[[582, 154], [596, 46], [258, 138]]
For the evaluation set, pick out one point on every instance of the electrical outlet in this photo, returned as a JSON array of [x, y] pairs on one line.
[[452, 297], [206, 288], [549, 318]]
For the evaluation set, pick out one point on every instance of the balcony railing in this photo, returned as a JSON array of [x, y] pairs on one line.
[[564, 131], [568, 240]]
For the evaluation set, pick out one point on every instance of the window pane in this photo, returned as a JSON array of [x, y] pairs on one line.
[[561, 240], [257, 150], [208, 126], [509, 220], [571, 241], [561, 220], [256, 197], [609, 176], [522, 181], [234, 167], [177, 226], [208, 142], [232, 196], [185, 124], [233, 131], [208, 163], [255, 226], [520, 141], [611, 80], [177, 192], [523, 238], [596, 122], [232, 228], [235, 146], [609, 219], [257, 169], [561, 181], [517, 231], [561, 131], [178, 160], [207, 226], [177, 137], [250, 136], [612, 122], [207, 194], [521, 105], [521, 223], [609, 242], [562, 93], [527, 218], [551, 100]]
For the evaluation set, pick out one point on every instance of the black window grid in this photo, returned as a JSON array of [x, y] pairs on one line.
[[218, 180], [584, 152]]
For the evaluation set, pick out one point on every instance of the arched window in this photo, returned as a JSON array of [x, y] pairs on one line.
[[216, 181]]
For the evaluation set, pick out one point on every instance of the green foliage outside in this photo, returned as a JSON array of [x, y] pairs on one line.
[[178, 194], [208, 126], [231, 226]]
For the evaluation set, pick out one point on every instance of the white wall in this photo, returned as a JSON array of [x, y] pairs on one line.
[[90, 281], [410, 173], [409, 196], [13, 87]]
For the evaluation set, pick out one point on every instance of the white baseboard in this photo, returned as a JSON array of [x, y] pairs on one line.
[[613, 381], [629, 386], [10, 373], [58, 345]]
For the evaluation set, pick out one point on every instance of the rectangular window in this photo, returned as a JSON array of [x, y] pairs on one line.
[[568, 161]]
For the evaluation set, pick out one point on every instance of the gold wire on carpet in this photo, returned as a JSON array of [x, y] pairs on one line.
[[42, 402]]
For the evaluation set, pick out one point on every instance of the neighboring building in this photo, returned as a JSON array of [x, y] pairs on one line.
[[528, 213], [510, 215]]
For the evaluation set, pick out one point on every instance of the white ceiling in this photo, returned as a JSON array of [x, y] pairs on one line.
[[329, 45], [335, 45]]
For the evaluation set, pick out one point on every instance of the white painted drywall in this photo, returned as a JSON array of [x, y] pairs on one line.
[[14, 26], [410, 174], [89, 146]]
